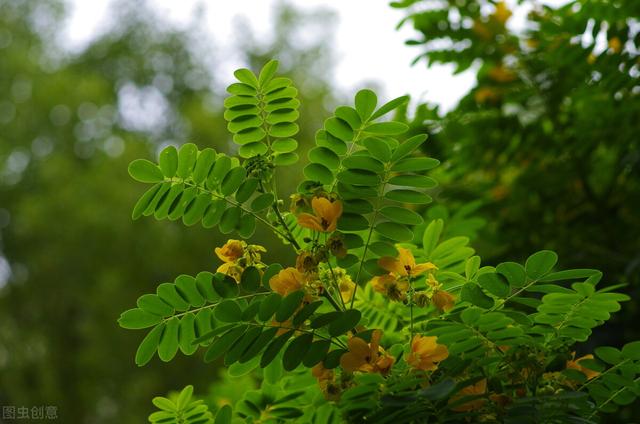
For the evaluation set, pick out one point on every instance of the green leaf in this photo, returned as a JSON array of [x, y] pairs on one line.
[[246, 76], [168, 346], [213, 213], [386, 128], [401, 215], [236, 351], [261, 341], [267, 72], [324, 156], [224, 343], [352, 222], [420, 164], [631, 350], [364, 162], [540, 263], [225, 286], [228, 311], [431, 236], [168, 293], [296, 350], [152, 304], [187, 156], [471, 267], [471, 292], [230, 220], [231, 182], [394, 231], [284, 129], [349, 115], [164, 403], [262, 202], [413, 181], [247, 226], [408, 196], [338, 128], [284, 145], [246, 189], [378, 148], [408, 146], [241, 89], [186, 286], [325, 319], [149, 345], [471, 315], [494, 284], [289, 304], [514, 273], [224, 415], [205, 161], [250, 279], [145, 200], [365, 102], [145, 171], [347, 321], [187, 334], [359, 177], [389, 106], [168, 161], [269, 306], [306, 312], [195, 211], [608, 354], [135, 319], [250, 150], [318, 172], [220, 168], [286, 159], [317, 352], [274, 347], [185, 397]]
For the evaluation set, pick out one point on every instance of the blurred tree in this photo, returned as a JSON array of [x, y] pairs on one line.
[[69, 125], [548, 137]]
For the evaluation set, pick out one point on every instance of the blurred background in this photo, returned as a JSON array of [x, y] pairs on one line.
[[532, 107]]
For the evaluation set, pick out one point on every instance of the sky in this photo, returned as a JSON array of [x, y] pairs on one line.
[[367, 44]]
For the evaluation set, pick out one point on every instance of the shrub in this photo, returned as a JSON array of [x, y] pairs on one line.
[[385, 316]]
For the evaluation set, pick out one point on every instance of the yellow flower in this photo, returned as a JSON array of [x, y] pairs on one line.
[[347, 287], [326, 381], [287, 281], [502, 13], [390, 286], [366, 357], [306, 262], [478, 388], [231, 251], [443, 300], [405, 264], [336, 245], [326, 214], [426, 353], [232, 270], [502, 74], [615, 45], [575, 365]]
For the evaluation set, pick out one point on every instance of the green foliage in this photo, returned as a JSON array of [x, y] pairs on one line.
[[464, 342], [182, 410]]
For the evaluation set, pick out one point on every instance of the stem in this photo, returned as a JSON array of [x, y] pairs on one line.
[[366, 244], [238, 205], [411, 305]]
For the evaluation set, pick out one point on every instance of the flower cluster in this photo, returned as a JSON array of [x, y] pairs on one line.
[[237, 255]]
